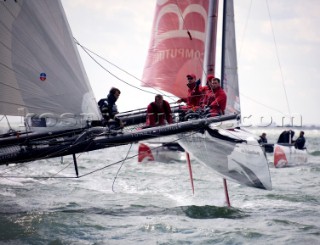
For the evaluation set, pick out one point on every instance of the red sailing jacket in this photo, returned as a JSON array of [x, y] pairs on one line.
[[216, 100], [194, 96], [205, 92], [157, 116]]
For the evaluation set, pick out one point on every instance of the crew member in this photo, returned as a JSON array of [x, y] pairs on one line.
[[194, 93], [263, 139], [158, 112], [300, 141], [215, 99], [109, 109]]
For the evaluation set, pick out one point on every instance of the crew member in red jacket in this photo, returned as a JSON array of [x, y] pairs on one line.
[[205, 91], [194, 93], [216, 98], [158, 112]]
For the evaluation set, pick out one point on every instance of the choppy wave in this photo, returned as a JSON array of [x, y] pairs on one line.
[[212, 212], [193, 211], [295, 198], [154, 204], [314, 153]]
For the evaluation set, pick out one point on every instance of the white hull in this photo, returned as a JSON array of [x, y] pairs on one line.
[[285, 156], [231, 152]]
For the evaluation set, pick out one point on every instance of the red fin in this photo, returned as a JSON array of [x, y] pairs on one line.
[[280, 159], [144, 152]]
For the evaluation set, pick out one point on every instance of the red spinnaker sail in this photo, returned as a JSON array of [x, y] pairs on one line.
[[177, 45]]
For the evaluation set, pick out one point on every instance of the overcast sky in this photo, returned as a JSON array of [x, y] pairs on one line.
[[278, 43]]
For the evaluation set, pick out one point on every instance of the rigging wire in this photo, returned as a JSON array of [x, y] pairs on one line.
[[86, 174], [52, 176], [114, 180], [118, 78], [88, 51], [266, 106], [245, 29], [240, 55], [9, 125], [278, 59], [246, 24]]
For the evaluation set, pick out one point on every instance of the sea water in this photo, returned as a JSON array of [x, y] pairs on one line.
[[117, 200]]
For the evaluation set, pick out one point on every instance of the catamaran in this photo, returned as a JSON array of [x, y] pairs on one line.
[[43, 81], [286, 153]]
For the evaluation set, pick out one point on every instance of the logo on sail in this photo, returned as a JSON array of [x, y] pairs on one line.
[[43, 76], [177, 44], [181, 22]]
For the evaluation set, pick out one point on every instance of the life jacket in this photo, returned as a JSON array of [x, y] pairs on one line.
[[108, 107], [156, 111], [158, 115], [102, 104], [104, 109]]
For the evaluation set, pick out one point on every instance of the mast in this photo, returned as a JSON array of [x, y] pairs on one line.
[[223, 53], [211, 39]]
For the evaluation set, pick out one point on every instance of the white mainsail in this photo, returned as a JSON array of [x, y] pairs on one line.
[[229, 64], [41, 73]]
